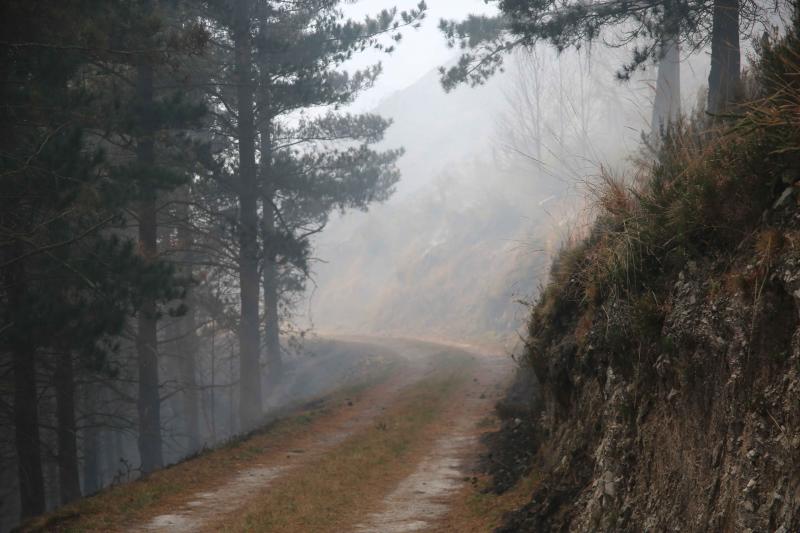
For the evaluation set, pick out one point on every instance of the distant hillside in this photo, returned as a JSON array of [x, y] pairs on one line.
[[434, 265], [476, 219], [438, 129]]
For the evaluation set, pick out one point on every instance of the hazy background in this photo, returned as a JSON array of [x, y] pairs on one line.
[[491, 185], [420, 51]]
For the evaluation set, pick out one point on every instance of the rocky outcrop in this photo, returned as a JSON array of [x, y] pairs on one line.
[[695, 427]]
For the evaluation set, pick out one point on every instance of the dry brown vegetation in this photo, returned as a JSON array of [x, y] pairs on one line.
[[477, 509], [704, 195]]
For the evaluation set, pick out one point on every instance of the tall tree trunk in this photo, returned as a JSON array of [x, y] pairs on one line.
[[149, 402], [188, 343], [111, 457], [667, 102], [119, 465], [723, 79], [212, 390], [51, 497], [26, 426], [233, 420], [91, 459], [249, 338], [68, 477], [538, 99], [188, 370], [26, 411], [270, 271], [272, 319]]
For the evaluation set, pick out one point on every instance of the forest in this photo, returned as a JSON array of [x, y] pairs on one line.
[[179, 178], [157, 203]]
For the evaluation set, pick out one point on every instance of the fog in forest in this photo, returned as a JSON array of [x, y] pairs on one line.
[[207, 207], [494, 181]]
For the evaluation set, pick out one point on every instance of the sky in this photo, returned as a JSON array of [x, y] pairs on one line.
[[419, 52]]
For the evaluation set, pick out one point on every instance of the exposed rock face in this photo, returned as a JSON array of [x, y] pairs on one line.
[[695, 428]]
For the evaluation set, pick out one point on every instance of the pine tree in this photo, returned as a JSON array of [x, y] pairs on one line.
[[652, 23], [297, 62], [283, 52], [71, 275], [42, 168], [114, 194], [149, 124]]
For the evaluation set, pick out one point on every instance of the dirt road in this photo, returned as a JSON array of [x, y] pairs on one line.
[[407, 494], [420, 499]]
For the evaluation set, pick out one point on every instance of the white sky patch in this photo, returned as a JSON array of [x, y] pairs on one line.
[[420, 50]]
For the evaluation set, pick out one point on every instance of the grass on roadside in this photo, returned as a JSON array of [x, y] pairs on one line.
[[476, 510]]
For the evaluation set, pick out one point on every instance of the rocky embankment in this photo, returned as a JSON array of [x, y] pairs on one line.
[[703, 436], [661, 385]]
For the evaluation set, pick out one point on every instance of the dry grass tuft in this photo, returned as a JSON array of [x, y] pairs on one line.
[[478, 509], [768, 245], [584, 326]]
